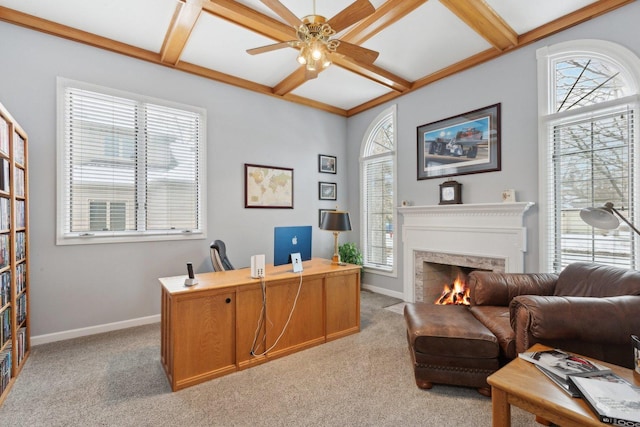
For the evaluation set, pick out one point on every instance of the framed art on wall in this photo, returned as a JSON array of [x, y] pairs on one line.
[[459, 145], [327, 191], [326, 164], [268, 187]]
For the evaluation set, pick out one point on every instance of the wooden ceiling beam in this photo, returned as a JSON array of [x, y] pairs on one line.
[[478, 15], [387, 14], [184, 20], [374, 73], [53, 28], [250, 19]]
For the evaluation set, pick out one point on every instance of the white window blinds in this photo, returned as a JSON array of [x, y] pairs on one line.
[[588, 143], [378, 194], [592, 162], [130, 167], [378, 202]]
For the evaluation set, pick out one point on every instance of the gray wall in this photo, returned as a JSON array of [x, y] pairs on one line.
[[84, 286], [89, 285], [510, 80]]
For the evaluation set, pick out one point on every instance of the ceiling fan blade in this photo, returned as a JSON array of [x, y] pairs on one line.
[[353, 13], [270, 47], [282, 11], [359, 53]]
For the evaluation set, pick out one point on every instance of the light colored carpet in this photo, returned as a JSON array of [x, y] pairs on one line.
[[366, 379]]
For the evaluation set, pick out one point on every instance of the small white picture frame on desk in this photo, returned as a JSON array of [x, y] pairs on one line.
[[296, 261], [509, 196]]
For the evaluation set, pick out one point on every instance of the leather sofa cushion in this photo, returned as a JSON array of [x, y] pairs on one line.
[[593, 280], [492, 288], [448, 331], [496, 319]]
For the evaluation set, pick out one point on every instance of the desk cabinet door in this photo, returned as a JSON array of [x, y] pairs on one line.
[[204, 335], [343, 305]]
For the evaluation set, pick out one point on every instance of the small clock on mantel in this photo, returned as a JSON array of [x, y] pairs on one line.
[[450, 193]]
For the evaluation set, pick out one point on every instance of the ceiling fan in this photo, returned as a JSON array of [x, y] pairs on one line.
[[315, 34]]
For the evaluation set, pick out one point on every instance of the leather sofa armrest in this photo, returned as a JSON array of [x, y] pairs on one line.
[[610, 320], [491, 288]]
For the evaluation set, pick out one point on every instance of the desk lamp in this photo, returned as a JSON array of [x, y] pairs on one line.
[[336, 221], [603, 217]]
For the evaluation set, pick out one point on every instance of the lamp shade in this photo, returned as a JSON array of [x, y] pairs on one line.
[[602, 217], [336, 221]]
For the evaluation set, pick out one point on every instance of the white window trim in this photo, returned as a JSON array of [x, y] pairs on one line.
[[127, 236], [393, 110], [627, 62]]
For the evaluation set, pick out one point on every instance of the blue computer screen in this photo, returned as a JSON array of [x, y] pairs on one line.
[[289, 240]]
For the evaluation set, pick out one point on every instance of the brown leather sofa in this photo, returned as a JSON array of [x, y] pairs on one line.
[[588, 309]]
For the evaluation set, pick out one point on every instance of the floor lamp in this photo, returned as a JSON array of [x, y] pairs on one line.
[[336, 221], [604, 217]]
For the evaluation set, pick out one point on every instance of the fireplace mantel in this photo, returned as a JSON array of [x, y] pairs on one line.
[[493, 230]]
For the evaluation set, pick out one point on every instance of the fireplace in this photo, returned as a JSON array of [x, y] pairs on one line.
[[434, 270], [440, 241]]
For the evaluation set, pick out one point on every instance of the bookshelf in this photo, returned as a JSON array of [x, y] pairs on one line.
[[14, 252]]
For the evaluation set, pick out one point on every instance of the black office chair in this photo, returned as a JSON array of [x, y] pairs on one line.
[[219, 256]]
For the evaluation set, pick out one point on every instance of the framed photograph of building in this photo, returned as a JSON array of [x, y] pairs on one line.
[[268, 187], [463, 144], [327, 191]]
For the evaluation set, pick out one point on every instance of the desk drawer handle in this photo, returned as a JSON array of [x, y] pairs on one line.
[[228, 300]]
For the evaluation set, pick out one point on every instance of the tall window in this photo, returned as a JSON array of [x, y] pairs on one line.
[[130, 168], [378, 188], [589, 139]]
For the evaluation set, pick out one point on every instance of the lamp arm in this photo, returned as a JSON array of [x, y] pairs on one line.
[[625, 220]]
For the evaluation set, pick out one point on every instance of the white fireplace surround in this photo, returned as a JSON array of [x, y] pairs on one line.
[[492, 230]]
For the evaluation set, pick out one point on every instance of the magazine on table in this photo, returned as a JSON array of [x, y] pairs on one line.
[[612, 398], [562, 363]]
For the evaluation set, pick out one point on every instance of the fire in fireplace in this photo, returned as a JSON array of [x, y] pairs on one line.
[[455, 294]]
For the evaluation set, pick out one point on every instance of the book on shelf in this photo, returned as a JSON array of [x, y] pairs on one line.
[[562, 363], [4, 136], [612, 398], [5, 368]]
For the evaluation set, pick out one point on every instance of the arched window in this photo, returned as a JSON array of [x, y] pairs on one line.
[[377, 190], [588, 105]]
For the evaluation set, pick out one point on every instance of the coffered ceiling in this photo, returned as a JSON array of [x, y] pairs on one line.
[[418, 41]]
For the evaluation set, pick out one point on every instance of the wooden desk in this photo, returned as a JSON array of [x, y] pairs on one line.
[[207, 330], [520, 383]]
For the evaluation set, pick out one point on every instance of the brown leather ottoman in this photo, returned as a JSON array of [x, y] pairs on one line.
[[448, 345]]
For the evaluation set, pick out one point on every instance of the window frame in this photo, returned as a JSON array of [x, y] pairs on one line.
[[384, 115], [629, 66], [62, 179]]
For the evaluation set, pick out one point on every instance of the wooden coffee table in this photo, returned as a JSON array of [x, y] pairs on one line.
[[521, 384]]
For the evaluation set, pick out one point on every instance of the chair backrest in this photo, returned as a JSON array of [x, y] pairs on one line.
[[593, 280], [219, 259]]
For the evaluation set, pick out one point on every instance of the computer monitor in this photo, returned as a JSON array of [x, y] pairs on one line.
[[289, 240]]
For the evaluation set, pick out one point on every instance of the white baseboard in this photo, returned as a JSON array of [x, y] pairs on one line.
[[108, 327], [91, 330], [383, 291]]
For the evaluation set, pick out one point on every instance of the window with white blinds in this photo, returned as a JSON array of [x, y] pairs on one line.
[[378, 185], [130, 168], [590, 139]]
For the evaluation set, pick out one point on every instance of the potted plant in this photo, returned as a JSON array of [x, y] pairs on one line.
[[350, 253]]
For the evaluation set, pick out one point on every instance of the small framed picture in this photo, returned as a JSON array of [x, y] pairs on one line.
[[321, 213], [326, 164], [327, 191], [509, 196]]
